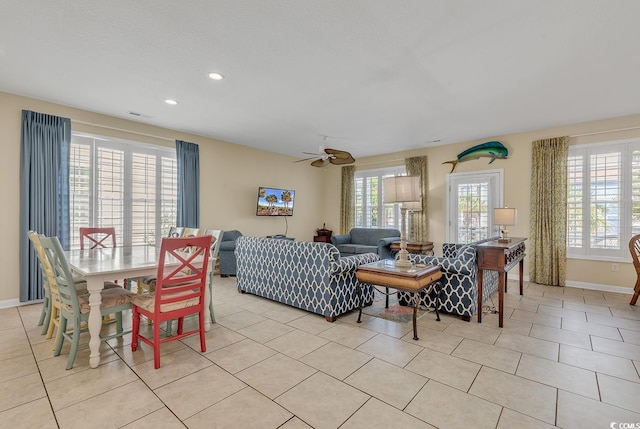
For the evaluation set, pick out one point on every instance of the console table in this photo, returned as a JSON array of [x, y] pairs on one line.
[[425, 248], [410, 279], [499, 256]]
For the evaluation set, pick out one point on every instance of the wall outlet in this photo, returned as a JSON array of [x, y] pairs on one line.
[[615, 267]]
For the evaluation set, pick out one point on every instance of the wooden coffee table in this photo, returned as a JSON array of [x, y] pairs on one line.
[[412, 279]]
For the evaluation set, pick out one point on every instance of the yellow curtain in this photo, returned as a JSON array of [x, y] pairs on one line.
[[548, 228], [418, 220], [347, 203]]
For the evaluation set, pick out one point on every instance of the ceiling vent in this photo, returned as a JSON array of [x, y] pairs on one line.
[[139, 115]]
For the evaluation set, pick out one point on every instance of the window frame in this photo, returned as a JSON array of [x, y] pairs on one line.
[[129, 149], [379, 173], [625, 226]]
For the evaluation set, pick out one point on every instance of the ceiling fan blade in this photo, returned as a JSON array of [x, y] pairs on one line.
[[320, 162], [341, 161], [311, 153], [305, 159], [338, 153]]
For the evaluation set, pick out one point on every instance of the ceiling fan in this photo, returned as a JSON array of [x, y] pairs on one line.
[[326, 156]]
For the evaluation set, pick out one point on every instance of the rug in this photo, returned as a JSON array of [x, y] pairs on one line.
[[395, 312]]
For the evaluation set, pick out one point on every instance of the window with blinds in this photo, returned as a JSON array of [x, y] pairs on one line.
[[130, 186], [369, 207], [603, 199]]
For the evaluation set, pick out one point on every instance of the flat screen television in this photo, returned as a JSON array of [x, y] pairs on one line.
[[275, 201]]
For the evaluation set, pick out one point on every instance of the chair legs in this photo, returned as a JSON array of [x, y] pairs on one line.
[[636, 292]]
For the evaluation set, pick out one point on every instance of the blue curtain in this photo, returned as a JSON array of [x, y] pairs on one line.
[[188, 156], [44, 191]]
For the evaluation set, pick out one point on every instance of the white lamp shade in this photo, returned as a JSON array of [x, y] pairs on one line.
[[401, 189], [505, 216]]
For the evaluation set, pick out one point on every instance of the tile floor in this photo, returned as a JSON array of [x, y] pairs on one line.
[[566, 357]]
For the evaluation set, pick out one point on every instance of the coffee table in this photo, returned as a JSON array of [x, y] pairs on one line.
[[412, 279]]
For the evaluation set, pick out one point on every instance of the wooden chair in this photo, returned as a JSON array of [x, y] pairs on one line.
[[74, 308], [45, 315], [97, 237], [179, 292], [634, 248]]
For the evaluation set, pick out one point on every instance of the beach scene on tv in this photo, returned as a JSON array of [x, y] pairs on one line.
[[275, 202]]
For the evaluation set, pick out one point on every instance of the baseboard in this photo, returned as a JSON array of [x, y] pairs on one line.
[[601, 288], [15, 303], [583, 285]]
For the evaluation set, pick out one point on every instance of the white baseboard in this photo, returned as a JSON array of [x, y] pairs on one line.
[[602, 288], [15, 303], [584, 285]]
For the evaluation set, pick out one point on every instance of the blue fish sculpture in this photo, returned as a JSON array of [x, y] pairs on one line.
[[491, 150]]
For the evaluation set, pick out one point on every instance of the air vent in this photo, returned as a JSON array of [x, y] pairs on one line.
[[139, 115]]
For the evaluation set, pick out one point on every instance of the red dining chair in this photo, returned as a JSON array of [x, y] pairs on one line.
[[179, 292], [97, 237]]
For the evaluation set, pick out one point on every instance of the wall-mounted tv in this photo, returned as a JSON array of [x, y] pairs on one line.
[[275, 201]]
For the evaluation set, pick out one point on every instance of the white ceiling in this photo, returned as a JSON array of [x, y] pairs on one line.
[[376, 76]]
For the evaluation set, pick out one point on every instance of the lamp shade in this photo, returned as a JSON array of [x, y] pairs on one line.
[[505, 216], [401, 189]]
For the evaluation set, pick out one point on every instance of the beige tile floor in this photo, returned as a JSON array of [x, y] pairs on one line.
[[566, 357]]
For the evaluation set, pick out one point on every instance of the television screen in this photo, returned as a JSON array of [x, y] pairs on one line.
[[275, 202]]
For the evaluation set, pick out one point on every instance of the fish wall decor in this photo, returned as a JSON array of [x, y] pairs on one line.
[[491, 150]]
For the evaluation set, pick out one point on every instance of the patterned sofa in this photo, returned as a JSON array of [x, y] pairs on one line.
[[309, 276], [459, 267]]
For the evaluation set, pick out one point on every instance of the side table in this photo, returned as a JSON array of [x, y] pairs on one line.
[[412, 279], [322, 239], [499, 256]]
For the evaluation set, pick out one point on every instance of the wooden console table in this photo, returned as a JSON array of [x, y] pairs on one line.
[[425, 248], [411, 279], [497, 256]]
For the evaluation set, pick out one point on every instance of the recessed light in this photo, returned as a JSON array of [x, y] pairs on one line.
[[171, 102], [216, 76]]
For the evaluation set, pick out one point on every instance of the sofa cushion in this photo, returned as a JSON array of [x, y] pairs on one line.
[[366, 249], [371, 236]]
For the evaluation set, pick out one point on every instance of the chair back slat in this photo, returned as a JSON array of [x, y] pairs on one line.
[[97, 237], [62, 276], [187, 280]]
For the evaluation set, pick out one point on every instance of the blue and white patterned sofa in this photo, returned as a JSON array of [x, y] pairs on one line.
[[459, 265], [309, 276]]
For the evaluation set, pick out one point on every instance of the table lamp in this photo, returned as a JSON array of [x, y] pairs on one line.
[[401, 189], [413, 206], [505, 217]]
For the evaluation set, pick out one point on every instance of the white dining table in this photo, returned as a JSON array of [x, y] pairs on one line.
[[107, 264]]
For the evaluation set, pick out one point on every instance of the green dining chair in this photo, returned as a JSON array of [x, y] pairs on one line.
[[74, 308]]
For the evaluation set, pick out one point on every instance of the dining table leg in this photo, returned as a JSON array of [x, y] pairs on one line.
[[95, 284]]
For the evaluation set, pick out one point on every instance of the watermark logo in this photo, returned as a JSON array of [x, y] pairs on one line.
[[614, 425]]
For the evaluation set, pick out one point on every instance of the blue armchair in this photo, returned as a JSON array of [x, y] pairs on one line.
[[226, 253]]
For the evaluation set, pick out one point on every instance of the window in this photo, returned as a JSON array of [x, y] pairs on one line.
[[130, 186], [370, 211], [470, 202], [603, 199]]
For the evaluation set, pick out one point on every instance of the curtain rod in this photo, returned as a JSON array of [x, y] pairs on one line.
[[122, 129], [604, 131]]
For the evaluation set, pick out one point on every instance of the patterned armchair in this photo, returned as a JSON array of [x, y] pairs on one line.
[[309, 276], [459, 294]]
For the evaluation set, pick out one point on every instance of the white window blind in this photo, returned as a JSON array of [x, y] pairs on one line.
[[130, 186], [369, 207], [603, 199]]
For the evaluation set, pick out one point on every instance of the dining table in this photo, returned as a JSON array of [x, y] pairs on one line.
[[100, 265]]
